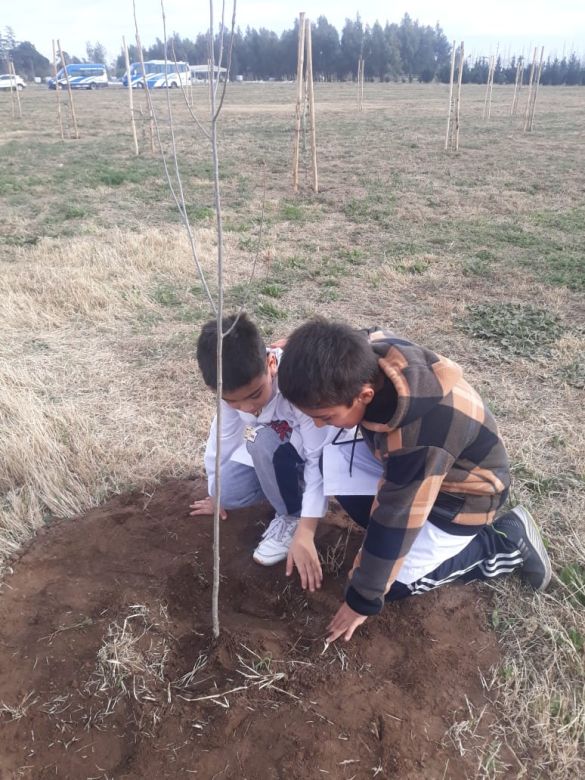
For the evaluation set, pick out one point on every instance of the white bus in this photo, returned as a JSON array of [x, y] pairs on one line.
[[176, 75], [82, 75]]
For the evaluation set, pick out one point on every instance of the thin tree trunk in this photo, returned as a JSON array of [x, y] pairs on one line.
[[57, 90], [453, 52], [219, 226], [130, 97], [69, 90], [299, 104], [458, 105], [311, 96], [12, 72], [530, 86]]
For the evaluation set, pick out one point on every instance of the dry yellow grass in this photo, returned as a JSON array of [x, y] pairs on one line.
[[100, 308]]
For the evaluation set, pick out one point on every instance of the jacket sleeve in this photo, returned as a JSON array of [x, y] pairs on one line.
[[411, 483], [314, 503], [232, 428]]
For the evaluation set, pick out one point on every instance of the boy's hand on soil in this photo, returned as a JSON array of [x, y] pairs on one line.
[[345, 622], [206, 506], [303, 554]]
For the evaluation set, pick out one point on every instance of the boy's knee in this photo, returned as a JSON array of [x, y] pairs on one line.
[[263, 444]]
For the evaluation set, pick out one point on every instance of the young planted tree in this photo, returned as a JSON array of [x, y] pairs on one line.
[[218, 53]]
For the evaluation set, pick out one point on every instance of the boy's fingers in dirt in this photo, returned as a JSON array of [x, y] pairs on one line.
[[289, 565]]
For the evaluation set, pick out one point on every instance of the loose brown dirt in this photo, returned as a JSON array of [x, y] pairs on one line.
[[103, 617]]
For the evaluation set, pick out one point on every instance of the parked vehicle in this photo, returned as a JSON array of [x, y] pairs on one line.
[[12, 82], [82, 75], [157, 75]]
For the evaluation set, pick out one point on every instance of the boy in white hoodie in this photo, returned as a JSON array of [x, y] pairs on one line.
[[269, 449]]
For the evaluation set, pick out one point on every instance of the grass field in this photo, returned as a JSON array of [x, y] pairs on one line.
[[478, 255]]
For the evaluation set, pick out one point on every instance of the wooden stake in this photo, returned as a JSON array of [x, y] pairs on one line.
[[130, 96], [70, 92], [14, 96], [535, 90], [458, 103], [530, 84], [450, 96], [299, 103], [145, 86], [517, 85], [360, 79], [57, 90], [12, 102], [487, 104], [311, 96]]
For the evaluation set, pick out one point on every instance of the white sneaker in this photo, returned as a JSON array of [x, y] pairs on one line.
[[276, 540]]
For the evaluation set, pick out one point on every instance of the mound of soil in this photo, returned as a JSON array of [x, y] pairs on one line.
[[107, 668]]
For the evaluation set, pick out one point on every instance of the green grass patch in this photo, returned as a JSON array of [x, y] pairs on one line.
[[375, 207], [573, 577], [270, 311], [166, 295], [562, 267], [573, 373], [413, 266], [272, 289], [74, 212], [514, 328], [479, 264], [544, 487], [199, 213], [292, 212]]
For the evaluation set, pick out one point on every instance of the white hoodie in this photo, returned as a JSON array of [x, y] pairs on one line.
[[306, 438]]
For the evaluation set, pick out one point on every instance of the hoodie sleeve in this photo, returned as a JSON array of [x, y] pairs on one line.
[[314, 503], [411, 483], [232, 428]]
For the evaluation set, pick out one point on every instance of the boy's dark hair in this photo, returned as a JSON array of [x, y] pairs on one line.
[[244, 353], [325, 364]]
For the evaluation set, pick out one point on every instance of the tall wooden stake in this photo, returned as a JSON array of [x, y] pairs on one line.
[[450, 96], [69, 91], [57, 91], [452, 137], [311, 96], [532, 102], [130, 96], [12, 103], [14, 96], [145, 86], [487, 104], [300, 101], [517, 85], [360, 80], [458, 102], [530, 87]]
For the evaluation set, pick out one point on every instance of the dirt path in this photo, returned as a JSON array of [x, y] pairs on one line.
[[104, 618]]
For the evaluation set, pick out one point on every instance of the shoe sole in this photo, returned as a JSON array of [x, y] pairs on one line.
[[267, 563], [535, 540]]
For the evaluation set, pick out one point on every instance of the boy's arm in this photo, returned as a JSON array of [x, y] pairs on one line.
[[232, 427], [314, 503], [413, 479]]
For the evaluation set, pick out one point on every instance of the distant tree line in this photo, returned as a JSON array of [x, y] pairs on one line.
[[408, 51]]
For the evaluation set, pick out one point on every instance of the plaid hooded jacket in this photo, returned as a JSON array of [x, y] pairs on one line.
[[444, 462]]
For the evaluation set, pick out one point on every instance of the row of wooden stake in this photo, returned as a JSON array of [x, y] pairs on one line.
[[305, 119], [454, 113]]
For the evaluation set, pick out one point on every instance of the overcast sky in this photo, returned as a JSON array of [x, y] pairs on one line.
[[515, 25]]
